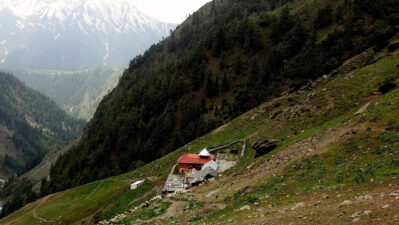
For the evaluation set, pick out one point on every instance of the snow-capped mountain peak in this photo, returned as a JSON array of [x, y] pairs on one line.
[[106, 23]]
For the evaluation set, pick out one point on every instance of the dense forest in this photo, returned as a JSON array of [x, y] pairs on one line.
[[37, 126], [36, 122], [223, 60], [78, 92]]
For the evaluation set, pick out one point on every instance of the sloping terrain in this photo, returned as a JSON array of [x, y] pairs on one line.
[[224, 60], [42, 170], [77, 92], [30, 126], [334, 164]]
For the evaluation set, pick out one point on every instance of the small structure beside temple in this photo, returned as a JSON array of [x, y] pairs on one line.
[[136, 184]]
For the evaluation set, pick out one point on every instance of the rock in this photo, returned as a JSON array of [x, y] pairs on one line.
[[356, 220], [345, 203], [385, 207], [264, 147], [301, 217], [298, 205], [247, 207], [341, 214], [366, 213], [365, 197], [317, 203], [355, 215], [325, 196], [362, 109]]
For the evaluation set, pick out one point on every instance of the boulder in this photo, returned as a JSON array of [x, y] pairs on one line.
[[247, 207], [345, 203], [264, 147]]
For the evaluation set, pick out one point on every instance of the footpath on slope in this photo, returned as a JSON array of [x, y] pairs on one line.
[[42, 220]]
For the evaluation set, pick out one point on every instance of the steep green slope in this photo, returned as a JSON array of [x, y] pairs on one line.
[[225, 59], [77, 92], [33, 123], [324, 149]]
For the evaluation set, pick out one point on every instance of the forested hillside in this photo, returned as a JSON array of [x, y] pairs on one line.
[[77, 92], [31, 125], [223, 60]]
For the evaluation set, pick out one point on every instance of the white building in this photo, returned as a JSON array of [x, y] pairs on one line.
[[136, 184]]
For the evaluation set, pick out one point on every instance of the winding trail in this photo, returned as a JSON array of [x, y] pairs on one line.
[[94, 191], [38, 206], [87, 197]]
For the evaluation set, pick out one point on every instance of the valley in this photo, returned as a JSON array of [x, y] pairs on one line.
[[30, 126], [330, 166], [76, 92], [249, 112]]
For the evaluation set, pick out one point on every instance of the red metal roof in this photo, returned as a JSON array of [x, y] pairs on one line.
[[193, 159]]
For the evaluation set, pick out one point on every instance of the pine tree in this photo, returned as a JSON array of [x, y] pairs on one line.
[[339, 14], [225, 84]]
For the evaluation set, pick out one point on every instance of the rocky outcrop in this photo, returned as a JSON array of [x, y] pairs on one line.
[[264, 147]]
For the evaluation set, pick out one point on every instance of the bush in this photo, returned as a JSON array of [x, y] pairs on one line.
[[387, 86], [252, 199], [324, 17]]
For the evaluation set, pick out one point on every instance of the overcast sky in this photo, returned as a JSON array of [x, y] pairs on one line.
[[172, 11]]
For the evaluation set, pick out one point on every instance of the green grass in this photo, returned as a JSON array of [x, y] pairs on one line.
[[126, 200], [156, 209], [355, 161], [72, 206]]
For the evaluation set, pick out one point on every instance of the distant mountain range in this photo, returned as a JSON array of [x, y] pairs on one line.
[[74, 34]]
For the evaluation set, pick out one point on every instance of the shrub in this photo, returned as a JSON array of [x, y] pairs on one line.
[[387, 86]]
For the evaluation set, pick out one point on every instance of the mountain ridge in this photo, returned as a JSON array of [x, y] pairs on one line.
[[38, 28]]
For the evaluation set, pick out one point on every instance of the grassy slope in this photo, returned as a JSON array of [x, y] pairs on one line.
[[42, 170], [291, 118]]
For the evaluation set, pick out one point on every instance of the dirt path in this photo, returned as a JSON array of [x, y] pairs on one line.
[[94, 191], [87, 197], [42, 220], [175, 209]]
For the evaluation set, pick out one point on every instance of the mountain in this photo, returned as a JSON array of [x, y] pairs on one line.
[[74, 35], [77, 92], [30, 126], [336, 162], [224, 60]]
